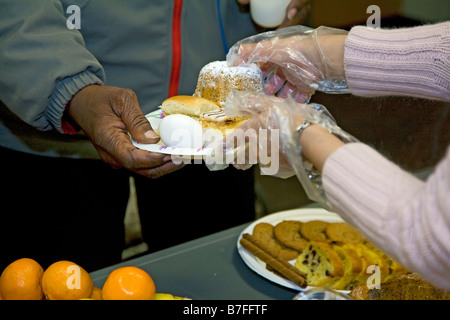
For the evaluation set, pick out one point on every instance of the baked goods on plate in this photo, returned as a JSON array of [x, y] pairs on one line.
[[338, 259], [215, 81], [182, 123]]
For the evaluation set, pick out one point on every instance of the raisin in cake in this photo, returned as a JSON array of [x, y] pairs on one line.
[[320, 263]]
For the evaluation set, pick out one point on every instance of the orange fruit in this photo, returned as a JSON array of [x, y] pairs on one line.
[[96, 294], [65, 280], [128, 283], [21, 280]]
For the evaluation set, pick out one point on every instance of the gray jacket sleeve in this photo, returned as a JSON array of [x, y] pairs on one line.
[[43, 64]]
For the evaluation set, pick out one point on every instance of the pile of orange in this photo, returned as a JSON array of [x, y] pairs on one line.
[[22, 279], [25, 279], [129, 283]]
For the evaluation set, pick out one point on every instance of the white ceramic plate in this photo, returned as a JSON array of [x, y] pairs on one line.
[[303, 215], [155, 118]]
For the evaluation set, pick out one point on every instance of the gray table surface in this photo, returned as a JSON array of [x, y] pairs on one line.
[[208, 268]]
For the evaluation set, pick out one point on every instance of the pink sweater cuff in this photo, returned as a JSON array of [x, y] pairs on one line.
[[402, 62]]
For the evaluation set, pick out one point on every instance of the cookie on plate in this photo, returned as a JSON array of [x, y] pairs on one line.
[[264, 232], [343, 232], [314, 230], [288, 233]]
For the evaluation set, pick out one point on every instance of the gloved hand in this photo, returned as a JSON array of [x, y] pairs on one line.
[[107, 114], [271, 138], [296, 61]]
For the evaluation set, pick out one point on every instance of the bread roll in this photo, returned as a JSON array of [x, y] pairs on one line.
[[188, 105]]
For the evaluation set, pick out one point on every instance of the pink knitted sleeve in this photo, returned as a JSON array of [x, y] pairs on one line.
[[406, 217], [407, 62]]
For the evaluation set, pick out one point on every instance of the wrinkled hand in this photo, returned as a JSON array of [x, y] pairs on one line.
[[296, 61], [107, 114]]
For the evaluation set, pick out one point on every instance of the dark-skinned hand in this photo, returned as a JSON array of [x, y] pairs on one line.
[[108, 115]]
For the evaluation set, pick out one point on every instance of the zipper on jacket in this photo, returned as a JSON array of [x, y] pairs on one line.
[[176, 48]]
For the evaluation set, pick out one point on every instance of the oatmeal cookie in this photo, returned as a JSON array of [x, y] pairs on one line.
[[342, 232], [314, 230], [264, 232], [288, 233]]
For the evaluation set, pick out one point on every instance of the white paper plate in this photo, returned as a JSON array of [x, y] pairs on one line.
[[155, 118], [303, 215]]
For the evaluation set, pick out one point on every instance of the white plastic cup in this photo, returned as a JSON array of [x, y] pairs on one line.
[[268, 13]]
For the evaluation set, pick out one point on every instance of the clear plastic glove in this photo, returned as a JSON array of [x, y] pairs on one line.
[[296, 61], [271, 139]]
